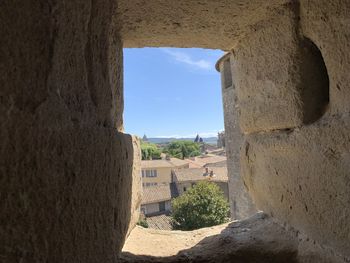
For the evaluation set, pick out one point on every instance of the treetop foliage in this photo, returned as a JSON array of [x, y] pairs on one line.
[[150, 151], [203, 205], [182, 149]]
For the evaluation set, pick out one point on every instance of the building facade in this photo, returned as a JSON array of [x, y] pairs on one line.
[[184, 179], [158, 172], [156, 200]]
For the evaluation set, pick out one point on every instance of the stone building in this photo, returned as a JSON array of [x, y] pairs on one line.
[[156, 200], [206, 161], [70, 176], [241, 204], [184, 179], [157, 172]]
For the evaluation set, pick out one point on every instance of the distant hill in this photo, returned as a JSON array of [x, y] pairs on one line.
[[209, 140]]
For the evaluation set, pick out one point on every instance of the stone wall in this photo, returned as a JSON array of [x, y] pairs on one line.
[[136, 185], [241, 204], [295, 159], [182, 23], [65, 167]]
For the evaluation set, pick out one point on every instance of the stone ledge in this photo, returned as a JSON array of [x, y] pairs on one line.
[[256, 239]]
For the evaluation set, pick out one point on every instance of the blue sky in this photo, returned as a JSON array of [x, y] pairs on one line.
[[172, 92]]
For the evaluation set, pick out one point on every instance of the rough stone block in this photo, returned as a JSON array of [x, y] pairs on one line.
[[241, 204], [326, 23], [301, 177], [65, 193], [266, 75]]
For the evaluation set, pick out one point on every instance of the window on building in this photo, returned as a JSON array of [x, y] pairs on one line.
[[185, 189], [149, 184], [227, 75], [162, 206], [149, 173]]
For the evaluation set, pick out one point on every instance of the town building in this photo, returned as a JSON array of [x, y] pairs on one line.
[[184, 179], [206, 161], [156, 200], [157, 172]]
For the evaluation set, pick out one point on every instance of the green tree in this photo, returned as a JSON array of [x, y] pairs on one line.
[[203, 205], [183, 149], [143, 223], [150, 151]]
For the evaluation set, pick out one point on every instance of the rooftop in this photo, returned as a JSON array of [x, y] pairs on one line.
[[159, 193], [161, 222], [202, 161], [199, 174], [172, 163]]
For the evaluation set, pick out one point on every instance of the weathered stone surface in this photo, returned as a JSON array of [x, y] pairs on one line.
[[182, 23], [67, 52], [136, 185], [266, 73], [255, 239], [326, 23], [301, 178], [65, 170], [68, 197], [280, 77], [249, 240], [301, 175], [241, 204]]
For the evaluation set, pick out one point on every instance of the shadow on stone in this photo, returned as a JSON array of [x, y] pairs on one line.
[[315, 82], [256, 239]]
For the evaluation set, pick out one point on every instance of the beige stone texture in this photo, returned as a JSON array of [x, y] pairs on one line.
[[241, 204], [326, 23], [301, 178], [136, 184], [281, 81], [254, 239], [267, 76], [68, 199], [182, 23], [301, 175], [65, 170]]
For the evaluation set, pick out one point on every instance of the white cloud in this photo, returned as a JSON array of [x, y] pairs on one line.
[[182, 57]]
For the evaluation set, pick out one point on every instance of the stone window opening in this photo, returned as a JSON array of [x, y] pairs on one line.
[[148, 173], [226, 83], [68, 169]]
